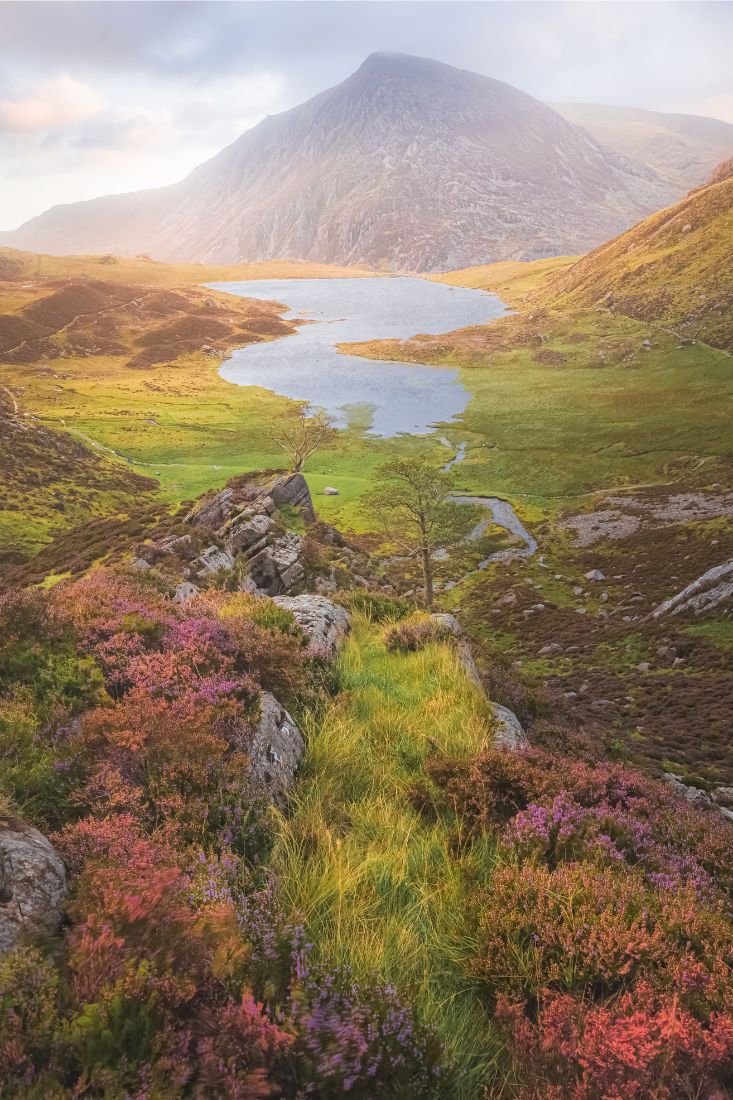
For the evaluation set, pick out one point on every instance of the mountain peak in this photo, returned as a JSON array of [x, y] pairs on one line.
[[409, 163]]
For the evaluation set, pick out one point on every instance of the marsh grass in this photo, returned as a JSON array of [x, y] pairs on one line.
[[379, 887]]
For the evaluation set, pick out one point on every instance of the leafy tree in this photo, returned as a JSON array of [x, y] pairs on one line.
[[411, 502], [302, 434]]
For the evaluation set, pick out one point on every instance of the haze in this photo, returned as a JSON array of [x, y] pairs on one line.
[[118, 96]]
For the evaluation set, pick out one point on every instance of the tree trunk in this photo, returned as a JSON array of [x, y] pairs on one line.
[[427, 573]]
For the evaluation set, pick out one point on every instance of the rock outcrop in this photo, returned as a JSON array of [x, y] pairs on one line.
[[293, 491], [323, 622], [32, 884], [277, 746], [712, 590]]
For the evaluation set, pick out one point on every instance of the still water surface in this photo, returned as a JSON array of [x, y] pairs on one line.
[[387, 398]]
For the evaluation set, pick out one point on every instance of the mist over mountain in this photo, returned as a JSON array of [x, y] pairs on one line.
[[682, 149], [408, 164]]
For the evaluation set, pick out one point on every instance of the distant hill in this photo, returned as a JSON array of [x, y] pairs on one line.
[[681, 149], [675, 268], [409, 164]]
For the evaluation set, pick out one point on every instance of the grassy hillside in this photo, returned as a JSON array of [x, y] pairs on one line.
[[673, 269], [109, 386]]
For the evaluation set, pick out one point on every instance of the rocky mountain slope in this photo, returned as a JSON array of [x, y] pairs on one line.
[[674, 267], [681, 149], [408, 164]]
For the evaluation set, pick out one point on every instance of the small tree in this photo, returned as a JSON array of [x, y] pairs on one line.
[[302, 434], [413, 506]]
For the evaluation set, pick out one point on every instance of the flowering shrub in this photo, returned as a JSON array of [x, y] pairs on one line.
[[642, 1047], [124, 722]]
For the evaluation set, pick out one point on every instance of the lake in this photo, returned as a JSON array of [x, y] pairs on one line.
[[385, 398]]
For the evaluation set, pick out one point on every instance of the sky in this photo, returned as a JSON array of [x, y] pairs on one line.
[[105, 96]]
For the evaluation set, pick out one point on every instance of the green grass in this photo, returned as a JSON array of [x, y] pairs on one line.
[[718, 631], [378, 887]]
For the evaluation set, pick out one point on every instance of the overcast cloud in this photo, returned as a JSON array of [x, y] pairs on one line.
[[102, 96]]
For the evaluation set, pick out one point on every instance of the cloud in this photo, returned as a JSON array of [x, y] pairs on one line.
[[53, 105]]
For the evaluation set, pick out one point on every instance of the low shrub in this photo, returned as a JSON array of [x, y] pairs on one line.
[[413, 635], [642, 1047], [375, 606]]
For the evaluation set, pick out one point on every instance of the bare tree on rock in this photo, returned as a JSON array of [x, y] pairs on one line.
[[302, 433]]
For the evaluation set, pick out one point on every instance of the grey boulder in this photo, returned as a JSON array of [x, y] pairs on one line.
[[277, 745], [323, 622], [32, 884]]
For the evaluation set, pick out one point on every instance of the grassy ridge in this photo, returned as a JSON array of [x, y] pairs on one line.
[[378, 886]]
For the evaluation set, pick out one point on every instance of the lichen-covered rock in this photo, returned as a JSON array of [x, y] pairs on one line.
[[263, 572], [323, 622], [293, 490], [185, 591], [248, 533], [32, 884], [508, 731], [277, 745], [286, 554], [211, 561], [212, 511]]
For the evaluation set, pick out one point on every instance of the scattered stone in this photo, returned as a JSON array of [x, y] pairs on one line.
[[643, 666], [140, 565], [286, 553], [550, 650], [32, 884], [595, 575], [185, 591], [324, 623], [277, 745], [329, 491], [581, 610]]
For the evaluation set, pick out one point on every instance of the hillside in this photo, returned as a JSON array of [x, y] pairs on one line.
[[672, 269], [681, 149], [408, 164]]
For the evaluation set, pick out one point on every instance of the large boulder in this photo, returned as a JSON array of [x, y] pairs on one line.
[[293, 490], [712, 590], [323, 622], [277, 745], [32, 884]]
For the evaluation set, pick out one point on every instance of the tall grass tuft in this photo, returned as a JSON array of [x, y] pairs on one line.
[[380, 888]]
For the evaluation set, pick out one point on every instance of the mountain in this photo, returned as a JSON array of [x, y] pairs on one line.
[[408, 164], [681, 149], [674, 267]]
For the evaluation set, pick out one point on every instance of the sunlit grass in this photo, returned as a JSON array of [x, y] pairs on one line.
[[379, 887]]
